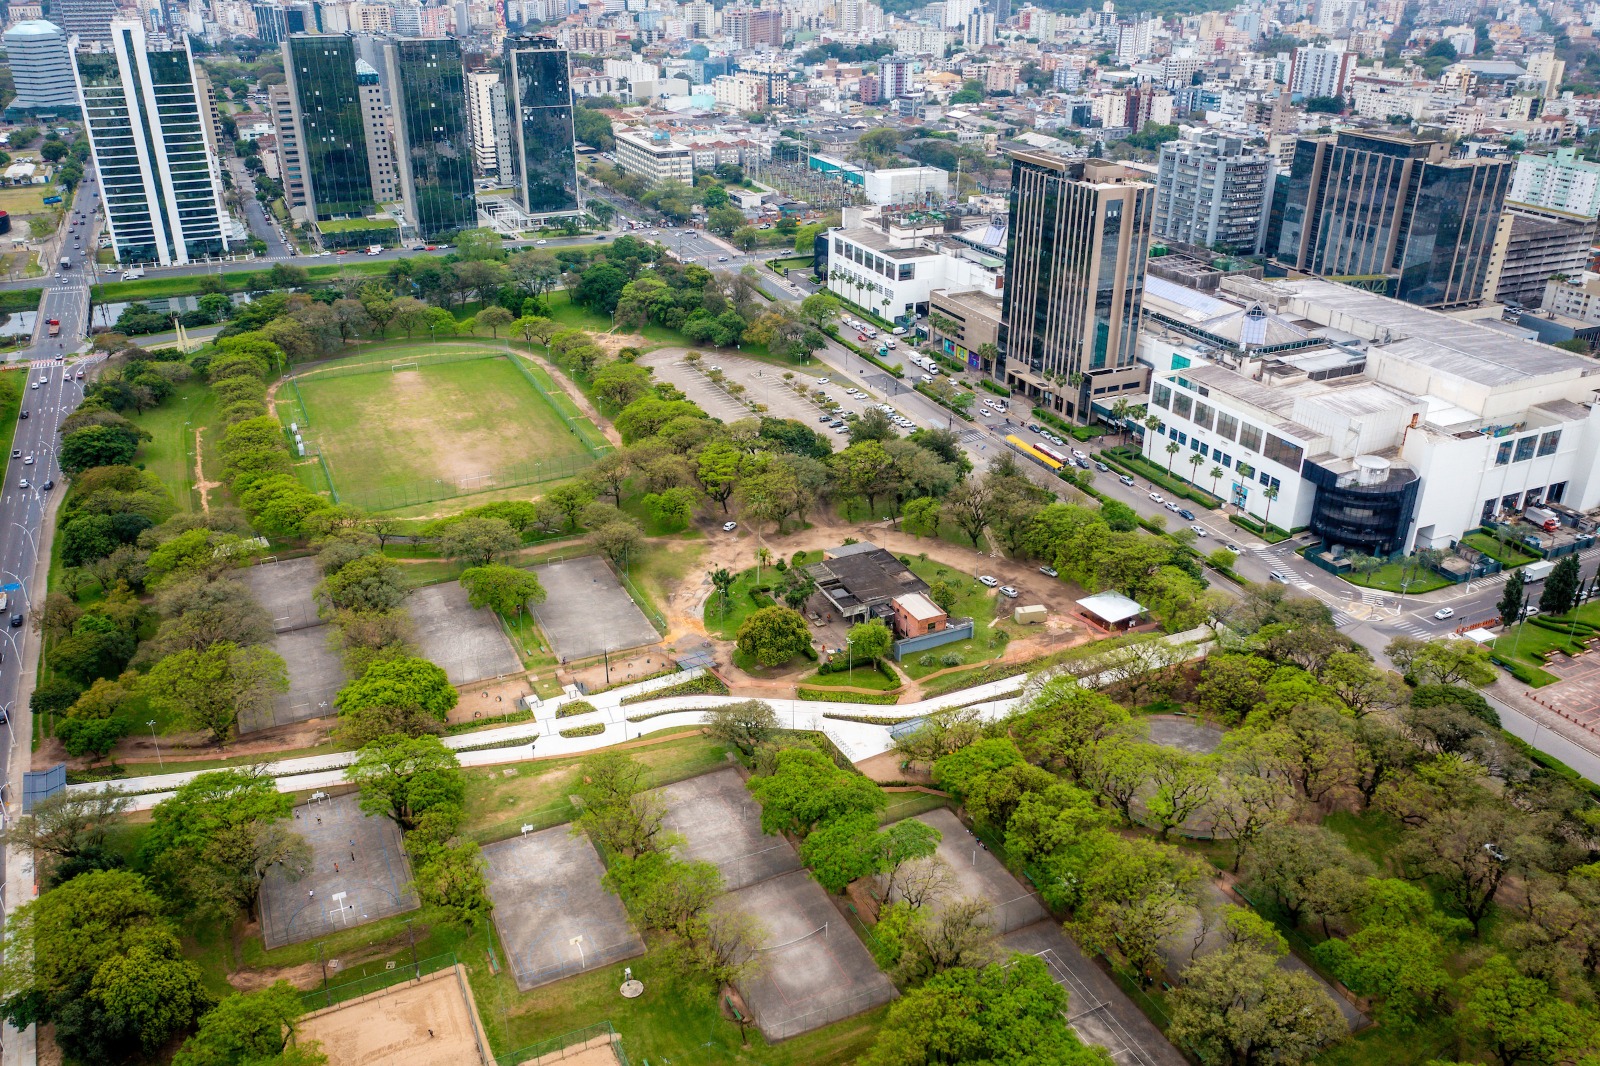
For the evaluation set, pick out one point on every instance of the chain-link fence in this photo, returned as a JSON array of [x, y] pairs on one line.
[[568, 1045], [377, 982]]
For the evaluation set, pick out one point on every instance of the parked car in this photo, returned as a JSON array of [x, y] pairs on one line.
[[1125, 479], [1048, 571], [1009, 592], [986, 580], [1186, 514], [1156, 497], [1199, 531], [1103, 468], [729, 527]]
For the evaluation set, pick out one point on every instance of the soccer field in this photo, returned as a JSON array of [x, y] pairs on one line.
[[392, 437]]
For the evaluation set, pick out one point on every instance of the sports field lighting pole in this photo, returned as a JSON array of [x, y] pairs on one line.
[[152, 724]]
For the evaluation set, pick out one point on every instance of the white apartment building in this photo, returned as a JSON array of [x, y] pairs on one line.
[[481, 86], [740, 92], [1378, 425], [1559, 180], [1320, 71]]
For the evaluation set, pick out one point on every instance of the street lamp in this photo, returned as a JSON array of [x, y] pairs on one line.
[[152, 724]]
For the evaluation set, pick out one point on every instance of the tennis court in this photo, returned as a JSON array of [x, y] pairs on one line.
[[721, 824], [359, 873], [554, 917]]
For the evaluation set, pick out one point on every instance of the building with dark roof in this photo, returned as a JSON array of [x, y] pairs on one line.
[[861, 581]]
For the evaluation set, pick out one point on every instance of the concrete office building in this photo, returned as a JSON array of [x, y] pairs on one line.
[[538, 78], [481, 120], [753, 28], [655, 156], [41, 67], [1390, 210], [1397, 428], [1532, 244], [329, 111], [432, 147], [1560, 181], [291, 163], [377, 130], [1079, 235], [88, 20], [162, 192], [1211, 190]]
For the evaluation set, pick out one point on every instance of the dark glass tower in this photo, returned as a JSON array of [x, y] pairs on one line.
[[540, 99], [321, 74], [433, 148], [1079, 235], [1394, 209]]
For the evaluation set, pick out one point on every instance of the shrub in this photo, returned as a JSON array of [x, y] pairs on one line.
[[950, 658], [926, 659], [573, 709], [585, 730]]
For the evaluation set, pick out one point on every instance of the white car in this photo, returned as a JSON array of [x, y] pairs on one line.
[[822, 381], [27, 461], [729, 527], [1444, 612], [541, 241], [1199, 531], [1076, 454], [1156, 497], [1009, 592], [989, 582]]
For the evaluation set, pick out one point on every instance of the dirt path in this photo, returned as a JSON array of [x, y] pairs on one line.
[[203, 486]]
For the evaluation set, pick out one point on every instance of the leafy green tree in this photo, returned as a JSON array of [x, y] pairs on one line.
[[503, 589], [97, 446], [807, 789], [212, 842], [480, 541], [957, 771], [453, 878], [1398, 957], [371, 582], [406, 777], [870, 640], [1561, 587], [1519, 1019], [406, 682], [153, 992], [211, 689], [1238, 1007], [842, 850], [742, 725], [1010, 1013], [251, 1029], [1511, 599], [771, 636]]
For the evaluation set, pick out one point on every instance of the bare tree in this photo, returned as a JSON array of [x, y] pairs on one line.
[[962, 934], [920, 882]]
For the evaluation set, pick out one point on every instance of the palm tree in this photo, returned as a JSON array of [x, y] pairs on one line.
[[763, 558], [1271, 494], [1365, 565], [1119, 411], [1172, 452], [1194, 466], [1216, 472], [722, 581]]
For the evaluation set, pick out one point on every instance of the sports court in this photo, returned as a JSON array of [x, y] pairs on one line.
[[721, 824], [413, 425], [467, 643], [587, 611], [340, 891], [554, 917], [428, 1022], [814, 970], [977, 874], [315, 672], [1099, 1011]]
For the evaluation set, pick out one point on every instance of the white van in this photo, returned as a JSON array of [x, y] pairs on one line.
[[870, 332], [374, 249], [890, 342]]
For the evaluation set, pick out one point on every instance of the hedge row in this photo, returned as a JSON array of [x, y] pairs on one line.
[[826, 695], [704, 685]]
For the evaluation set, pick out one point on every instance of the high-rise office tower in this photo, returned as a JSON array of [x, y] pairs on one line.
[[481, 85], [1390, 207], [320, 70], [290, 162], [41, 66], [377, 129], [1212, 190], [162, 192], [432, 147], [544, 165], [272, 25], [89, 20], [1079, 234]]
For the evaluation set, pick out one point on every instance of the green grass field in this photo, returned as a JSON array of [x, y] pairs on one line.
[[169, 454], [436, 431]]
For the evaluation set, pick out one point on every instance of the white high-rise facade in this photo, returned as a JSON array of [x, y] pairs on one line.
[[146, 127]]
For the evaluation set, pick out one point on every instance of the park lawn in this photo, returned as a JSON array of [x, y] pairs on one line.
[[1507, 554], [393, 438], [499, 802], [569, 314], [23, 199], [20, 300], [1388, 578], [724, 619], [1371, 833], [867, 677], [169, 454], [151, 288], [1527, 644], [982, 605]]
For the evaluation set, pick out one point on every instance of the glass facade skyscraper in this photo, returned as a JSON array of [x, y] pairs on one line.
[[147, 130], [433, 146], [1391, 209], [1079, 234], [539, 96], [321, 73]]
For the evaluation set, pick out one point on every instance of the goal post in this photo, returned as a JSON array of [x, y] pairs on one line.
[[397, 367]]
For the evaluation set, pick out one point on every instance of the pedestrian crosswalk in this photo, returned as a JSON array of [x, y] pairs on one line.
[[1412, 628]]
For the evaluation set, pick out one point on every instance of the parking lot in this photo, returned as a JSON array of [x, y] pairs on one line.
[[765, 384]]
